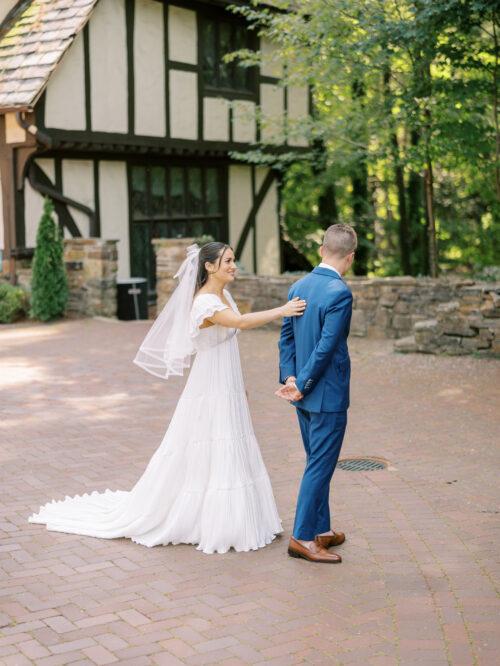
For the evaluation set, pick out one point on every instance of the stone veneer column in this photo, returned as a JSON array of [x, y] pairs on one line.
[[170, 253], [91, 265]]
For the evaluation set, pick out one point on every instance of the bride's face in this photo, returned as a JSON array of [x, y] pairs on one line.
[[225, 269]]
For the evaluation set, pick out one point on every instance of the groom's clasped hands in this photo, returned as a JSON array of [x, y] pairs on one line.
[[289, 391]]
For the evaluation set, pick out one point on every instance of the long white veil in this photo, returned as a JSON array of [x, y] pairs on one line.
[[167, 348]]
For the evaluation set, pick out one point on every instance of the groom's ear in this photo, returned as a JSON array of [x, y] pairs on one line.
[[320, 251]]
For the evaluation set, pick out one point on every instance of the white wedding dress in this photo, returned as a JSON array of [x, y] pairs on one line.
[[206, 484]]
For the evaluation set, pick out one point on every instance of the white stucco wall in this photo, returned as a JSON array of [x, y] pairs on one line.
[[298, 109], [215, 119], [240, 203], [183, 105], [149, 69], [244, 127], [113, 199], [268, 239], [65, 92], [272, 98], [108, 67], [270, 64], [182, 35], [78, 184]]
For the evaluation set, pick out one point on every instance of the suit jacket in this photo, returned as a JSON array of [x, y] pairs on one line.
[[313, 347]]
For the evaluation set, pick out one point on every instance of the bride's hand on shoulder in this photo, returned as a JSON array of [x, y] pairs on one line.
[[294, 308]]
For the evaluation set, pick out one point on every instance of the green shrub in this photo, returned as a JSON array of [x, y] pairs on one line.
[[13, 303], [49, 286], [203, 239]]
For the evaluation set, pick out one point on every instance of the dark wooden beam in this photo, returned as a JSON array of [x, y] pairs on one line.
[[41, 183], [88, 96], [7, 179], [130, 18]]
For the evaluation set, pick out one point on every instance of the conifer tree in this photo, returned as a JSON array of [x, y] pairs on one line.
[[49, 286]]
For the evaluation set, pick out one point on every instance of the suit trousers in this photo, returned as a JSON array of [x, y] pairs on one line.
[[322, 434]]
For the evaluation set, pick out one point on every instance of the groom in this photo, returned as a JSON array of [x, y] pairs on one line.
[[315, 370]]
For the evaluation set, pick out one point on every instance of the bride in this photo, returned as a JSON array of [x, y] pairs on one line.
[[206, 484]]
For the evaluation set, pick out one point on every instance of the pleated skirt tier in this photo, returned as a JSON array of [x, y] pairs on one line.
[[206, 484]]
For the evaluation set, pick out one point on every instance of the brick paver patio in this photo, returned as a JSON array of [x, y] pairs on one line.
[[417, 582]]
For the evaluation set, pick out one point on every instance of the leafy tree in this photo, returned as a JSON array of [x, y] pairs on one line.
[[406, 111], [49, 286]]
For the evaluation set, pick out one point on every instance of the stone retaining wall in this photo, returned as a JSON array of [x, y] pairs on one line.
[[170, 253], [383, 307], [445, 315], [469, 324], [91, 266]]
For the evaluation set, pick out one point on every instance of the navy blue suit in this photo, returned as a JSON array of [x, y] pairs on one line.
[[313, 348]]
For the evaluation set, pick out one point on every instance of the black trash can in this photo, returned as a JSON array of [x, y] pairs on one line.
[[132, 298]]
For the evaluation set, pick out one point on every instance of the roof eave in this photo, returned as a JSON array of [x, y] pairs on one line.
[[15, 109]]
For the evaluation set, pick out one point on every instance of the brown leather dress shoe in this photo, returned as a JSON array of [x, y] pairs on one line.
[[313, 553], [329, 540]]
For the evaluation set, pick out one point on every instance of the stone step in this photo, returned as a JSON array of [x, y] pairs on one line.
[[406, 345]]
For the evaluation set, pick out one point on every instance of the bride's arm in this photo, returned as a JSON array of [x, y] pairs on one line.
[[230, 319]]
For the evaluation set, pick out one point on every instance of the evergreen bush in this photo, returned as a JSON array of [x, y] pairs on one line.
[[49, 286], [13, 303]]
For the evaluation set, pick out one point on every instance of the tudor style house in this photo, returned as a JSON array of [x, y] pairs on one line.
[[125, 114]]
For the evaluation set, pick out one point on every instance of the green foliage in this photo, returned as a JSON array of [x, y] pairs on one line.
[[204, 239], [49, 287], [13, 303], [400, 90]]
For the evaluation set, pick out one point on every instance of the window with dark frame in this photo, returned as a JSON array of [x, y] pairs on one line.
[[219, 37], [173, 202]]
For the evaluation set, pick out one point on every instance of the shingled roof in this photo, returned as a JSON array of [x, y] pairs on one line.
[[33, 38]]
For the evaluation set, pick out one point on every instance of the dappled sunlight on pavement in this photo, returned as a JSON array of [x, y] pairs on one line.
[[19, 371], [416, 585]]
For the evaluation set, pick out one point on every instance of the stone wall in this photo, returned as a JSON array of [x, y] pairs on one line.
[[170, 253], [468, 324], [445, 315], [391, 307], [91, 266], [383, 307]]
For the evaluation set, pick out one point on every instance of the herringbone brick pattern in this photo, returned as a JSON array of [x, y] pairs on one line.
[[417, 582]]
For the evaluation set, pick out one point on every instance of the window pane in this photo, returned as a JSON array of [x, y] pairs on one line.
[[213, 191], [140, 250], [177, 199], [162, 230], [196, 228], [158, 194], [139, 196], [194, 190], [179, 230], [213, 228], [240, 74], [220, 37], [209, 52], [240, 77], [225, 47], [240, 37]]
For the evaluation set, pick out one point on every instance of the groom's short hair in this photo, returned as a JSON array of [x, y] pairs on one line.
[[340, 240]]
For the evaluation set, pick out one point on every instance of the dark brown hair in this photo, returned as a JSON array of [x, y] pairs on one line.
[[209, 252]]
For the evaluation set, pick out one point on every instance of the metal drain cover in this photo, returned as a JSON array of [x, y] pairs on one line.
[[361, 464]]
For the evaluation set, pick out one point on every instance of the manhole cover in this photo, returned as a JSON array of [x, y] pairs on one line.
[[361, 464]]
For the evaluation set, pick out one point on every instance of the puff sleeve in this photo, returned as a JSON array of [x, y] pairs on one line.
[[204, 306]]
